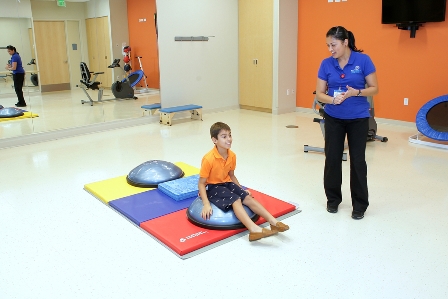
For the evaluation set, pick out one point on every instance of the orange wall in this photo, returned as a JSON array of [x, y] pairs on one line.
[[143, 39], [414, 68]]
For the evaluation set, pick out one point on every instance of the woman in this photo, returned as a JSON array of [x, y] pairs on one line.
[[344, 81], [18, 74]]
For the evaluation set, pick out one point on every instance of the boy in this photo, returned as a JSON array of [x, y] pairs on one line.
[[218, 184]]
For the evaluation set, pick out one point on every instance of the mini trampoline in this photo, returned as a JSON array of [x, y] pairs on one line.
[[10, 112], [151, 173], [432, 122], [219, 220]]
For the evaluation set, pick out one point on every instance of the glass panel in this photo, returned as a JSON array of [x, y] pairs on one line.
[[132, 24], [53, 41], [437, 117], [62, 43], [14, 21]]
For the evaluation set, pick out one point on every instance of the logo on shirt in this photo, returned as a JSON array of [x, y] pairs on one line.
[[357, 70], [192, 236]]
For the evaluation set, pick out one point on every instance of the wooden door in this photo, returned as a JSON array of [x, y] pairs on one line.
[[52, 57], [98, 39], [255, 39], [33, 47], [103, 22], [92, 45]]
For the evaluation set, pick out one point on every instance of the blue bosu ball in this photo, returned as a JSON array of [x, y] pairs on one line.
[[10, 112], [219, 220], [151, 173]]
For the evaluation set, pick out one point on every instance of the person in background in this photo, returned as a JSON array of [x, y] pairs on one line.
[[18, 74]]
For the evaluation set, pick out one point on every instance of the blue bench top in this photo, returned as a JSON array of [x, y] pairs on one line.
[[152, 106], [180, 108]]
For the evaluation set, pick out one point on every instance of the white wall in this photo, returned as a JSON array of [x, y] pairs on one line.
[[97, 8], [285, 56], [203, 73], [15, 33], [119, 30], [46, 11], [14, 8]]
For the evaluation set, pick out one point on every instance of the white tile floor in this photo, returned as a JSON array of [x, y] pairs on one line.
[[63, 110], [57, 241]]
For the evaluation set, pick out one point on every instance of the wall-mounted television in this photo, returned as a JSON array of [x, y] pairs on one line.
[[413, 11], [410, 14]]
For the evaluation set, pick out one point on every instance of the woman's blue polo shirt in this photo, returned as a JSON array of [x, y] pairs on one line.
[[354, 74], [19, 68]]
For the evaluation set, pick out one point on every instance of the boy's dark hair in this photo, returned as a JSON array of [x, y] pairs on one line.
[[217, 127]]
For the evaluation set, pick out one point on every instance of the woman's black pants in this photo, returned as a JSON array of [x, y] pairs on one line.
[[19, 80], [356, 131]]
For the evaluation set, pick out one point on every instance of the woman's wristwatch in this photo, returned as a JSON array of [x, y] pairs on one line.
[[359, 93]]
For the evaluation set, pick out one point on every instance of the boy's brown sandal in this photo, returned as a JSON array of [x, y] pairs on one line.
[[279, 227], [263, 234]]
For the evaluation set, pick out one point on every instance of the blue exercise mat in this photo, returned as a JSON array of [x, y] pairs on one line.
[[148, 205], [182, 188]]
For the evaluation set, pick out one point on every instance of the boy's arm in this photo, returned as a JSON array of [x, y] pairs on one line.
[[235, 180], [207, 208]]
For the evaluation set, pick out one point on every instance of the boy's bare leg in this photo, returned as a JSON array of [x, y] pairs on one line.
[[258, 209], [241, 214]]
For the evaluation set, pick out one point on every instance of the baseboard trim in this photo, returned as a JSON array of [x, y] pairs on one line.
[[378, 119], [245, 107], [93, 128], [71, 132]]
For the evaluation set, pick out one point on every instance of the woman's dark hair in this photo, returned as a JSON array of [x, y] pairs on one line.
[[342, 34], [11, 48]]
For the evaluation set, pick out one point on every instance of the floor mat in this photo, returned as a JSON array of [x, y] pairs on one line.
[[25, 115], [165, 219], [186, 239], [148, 205], [115, 188]]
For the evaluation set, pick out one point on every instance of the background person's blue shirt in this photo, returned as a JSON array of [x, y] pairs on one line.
[[19, 69], [358, 67]]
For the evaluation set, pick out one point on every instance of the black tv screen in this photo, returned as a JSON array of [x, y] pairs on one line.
[[413, 11]]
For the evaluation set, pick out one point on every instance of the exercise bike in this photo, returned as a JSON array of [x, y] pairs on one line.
[[120, 89], [34, 78], [318, 108]]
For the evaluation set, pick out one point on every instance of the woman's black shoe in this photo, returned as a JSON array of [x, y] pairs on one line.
[[331, 209], [357, 215], [20, 105]]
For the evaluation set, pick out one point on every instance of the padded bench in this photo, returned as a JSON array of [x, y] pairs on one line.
[[152, 108], [166, 114]]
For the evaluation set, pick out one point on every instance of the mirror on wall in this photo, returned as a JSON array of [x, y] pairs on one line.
[[15, 21], [59, 39]]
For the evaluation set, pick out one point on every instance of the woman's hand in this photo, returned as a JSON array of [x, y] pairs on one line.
[[7, 67], [351, 92], [337, 100], [248, 192], [207, 211]]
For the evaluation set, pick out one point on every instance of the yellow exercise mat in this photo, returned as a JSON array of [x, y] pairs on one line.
[[25, 115], [118, 187]]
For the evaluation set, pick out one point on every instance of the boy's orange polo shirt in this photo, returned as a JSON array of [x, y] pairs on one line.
[[215, 168]]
